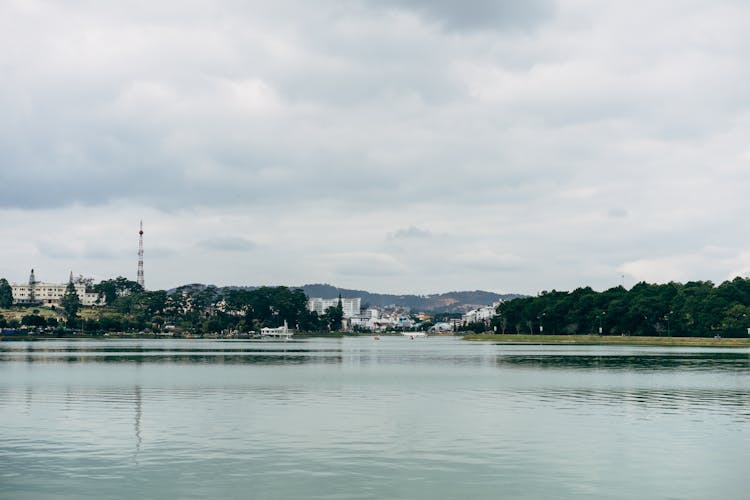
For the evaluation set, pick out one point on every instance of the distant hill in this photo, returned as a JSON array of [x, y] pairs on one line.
[[443, 302], [450, 302]]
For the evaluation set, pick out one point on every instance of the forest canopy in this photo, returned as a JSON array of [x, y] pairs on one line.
[[693, 309]]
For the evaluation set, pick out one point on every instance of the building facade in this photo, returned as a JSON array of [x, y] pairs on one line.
[[350, 306], [482, 314], [50, 294]]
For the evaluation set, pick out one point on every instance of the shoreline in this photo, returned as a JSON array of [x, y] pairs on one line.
[[508, 339], [610, 340]]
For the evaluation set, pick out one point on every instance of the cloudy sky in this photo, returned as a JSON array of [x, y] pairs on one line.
[[407, 146]]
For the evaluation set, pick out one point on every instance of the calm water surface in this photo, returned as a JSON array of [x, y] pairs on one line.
[[357, 418]]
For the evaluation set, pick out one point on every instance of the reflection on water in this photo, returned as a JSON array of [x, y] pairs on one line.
[[357, 418], [181, 352], [388, 352], [137, 420], [711, 361]]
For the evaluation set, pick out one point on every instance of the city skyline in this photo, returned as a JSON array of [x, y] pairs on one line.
[[404, 146]]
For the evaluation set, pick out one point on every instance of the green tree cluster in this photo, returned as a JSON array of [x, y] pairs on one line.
[[200, 309], [695, 309], [333, 316], [269, 307], [110, 290], [70, 302], [6, 293]]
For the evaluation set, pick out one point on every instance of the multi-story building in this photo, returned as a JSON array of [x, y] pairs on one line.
[[37, 292], [350, 305], [481, 314]]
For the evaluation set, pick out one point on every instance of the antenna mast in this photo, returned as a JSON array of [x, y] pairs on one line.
[[140, 258]]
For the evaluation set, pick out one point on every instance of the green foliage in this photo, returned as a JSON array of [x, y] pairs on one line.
[[33, 320], [333, 316], [111, 289], [6, 293], [70, 302], [696, 308], [192, 309], [271, 306]]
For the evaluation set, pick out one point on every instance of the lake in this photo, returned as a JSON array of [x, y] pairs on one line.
[[350, 418]]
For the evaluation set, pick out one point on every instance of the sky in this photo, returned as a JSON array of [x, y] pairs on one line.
[[396, 146]]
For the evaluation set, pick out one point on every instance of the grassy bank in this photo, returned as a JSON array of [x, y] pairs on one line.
[[607, 340]]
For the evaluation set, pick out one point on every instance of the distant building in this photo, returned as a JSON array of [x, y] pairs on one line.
[[282, 332], [481, 314], [441, 328], [350, 306], [366, 320], [38, 292]]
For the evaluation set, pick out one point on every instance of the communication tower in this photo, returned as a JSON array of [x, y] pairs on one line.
[[140, 258]]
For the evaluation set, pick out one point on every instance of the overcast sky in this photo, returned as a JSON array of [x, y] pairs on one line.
[[405, 146]]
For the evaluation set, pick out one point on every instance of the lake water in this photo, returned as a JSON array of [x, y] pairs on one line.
[[350, 418]]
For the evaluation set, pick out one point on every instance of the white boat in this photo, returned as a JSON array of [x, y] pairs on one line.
[[413, 335], [281, 332]]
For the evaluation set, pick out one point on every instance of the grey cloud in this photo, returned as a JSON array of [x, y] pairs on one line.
[[228, 244], [411, 232], [617, 213], [372, 264], [60, 250], [480, 14], [487, 260], [576, 145]]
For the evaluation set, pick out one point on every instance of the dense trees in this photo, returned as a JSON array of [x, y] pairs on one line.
[[696, 308], [6, 293], [192, 308], [199, 309], [270, 306], [111, 289]]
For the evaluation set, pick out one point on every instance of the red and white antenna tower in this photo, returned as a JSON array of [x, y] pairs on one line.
[[140, 258]]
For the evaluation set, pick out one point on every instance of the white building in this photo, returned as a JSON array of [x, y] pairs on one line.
[[282, 332], [367, 319], [350, 306], [38, 292], [481, 314]]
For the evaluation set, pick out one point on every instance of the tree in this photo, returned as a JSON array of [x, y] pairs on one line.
[[6, 293], [70, 302], [110, 290], [33, 320], [334, 315]]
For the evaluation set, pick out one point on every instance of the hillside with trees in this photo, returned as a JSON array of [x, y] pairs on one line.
[[449, 302]]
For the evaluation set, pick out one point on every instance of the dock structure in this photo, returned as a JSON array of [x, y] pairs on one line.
[[281, 332]]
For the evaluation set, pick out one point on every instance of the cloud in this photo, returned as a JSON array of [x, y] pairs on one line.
[[63, 251], [617, 213], [484, 259], [411, 232], [228, 244], [364, 264], [536, 144], [717, 263], [480, 14]]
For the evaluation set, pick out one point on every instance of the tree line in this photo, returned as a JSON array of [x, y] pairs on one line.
[[693, 309], [194, 309]]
